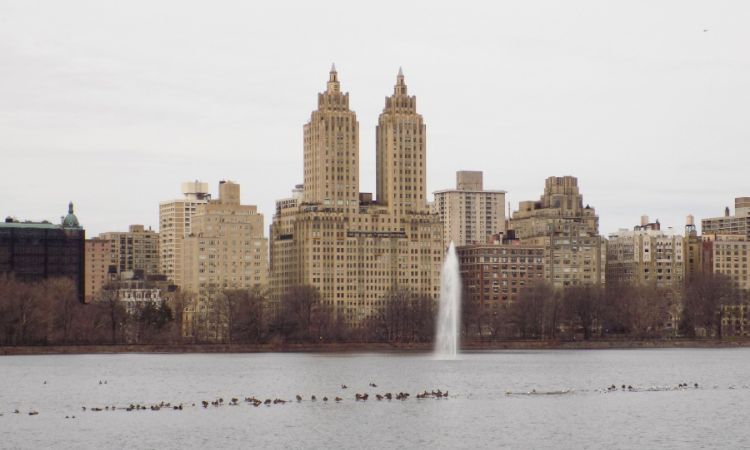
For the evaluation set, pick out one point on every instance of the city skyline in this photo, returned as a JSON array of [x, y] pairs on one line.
[[648, 117]]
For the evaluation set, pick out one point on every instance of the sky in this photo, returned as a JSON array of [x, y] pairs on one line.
[[113, 104]]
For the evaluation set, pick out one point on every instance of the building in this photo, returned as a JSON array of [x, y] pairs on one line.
[[735, 320], [693, 249], [34, 251], [99, 269], [646, 255], [225, 249], [568, 231], [175, 220], [730, 257], [354, 249], [494, 273], [470, 214], [134, 250], [739, 223]]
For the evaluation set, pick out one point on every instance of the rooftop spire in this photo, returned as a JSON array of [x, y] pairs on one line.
[[400, 88], [333, 80]]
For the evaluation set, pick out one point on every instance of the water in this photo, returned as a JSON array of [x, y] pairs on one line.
[[478, 413], [446, 342]]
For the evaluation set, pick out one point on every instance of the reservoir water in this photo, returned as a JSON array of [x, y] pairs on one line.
[[510, 399]]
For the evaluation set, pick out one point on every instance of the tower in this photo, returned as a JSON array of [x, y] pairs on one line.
[[401, 153], [331, 143]]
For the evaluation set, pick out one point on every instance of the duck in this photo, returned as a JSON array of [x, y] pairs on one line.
[[343, 386], [373, 384], [338, 399], [313, 398], [33, 413], [379, 397], [325, 399], [299, 398]]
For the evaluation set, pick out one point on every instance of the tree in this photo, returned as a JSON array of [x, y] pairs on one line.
[[245, 315], [704, 295], [298, 304], [583, 306], [536, 313]]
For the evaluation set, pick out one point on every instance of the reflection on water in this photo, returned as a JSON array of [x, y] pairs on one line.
[[671, 398]]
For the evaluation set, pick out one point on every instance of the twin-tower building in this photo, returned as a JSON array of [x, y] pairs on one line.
[[354, 248]]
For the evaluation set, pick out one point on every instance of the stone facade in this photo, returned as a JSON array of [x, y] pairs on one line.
[[353, 249], [226, 249], [567, 230], [175, 220], [730, 257], [135, 250], [646, 256], [98, 267], [470, 214]]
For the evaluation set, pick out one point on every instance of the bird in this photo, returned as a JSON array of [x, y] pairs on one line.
[[299, 398], [373, 384], [338, 399], [325, 399], [313, 398], [343, 386]]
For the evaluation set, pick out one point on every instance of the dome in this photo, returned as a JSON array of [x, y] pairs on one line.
[[70, 221]]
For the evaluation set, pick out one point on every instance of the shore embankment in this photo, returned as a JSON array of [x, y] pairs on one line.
[[329, 347]]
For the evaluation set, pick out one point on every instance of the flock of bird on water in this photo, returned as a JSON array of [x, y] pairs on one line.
[[358, 397], [439, 394]]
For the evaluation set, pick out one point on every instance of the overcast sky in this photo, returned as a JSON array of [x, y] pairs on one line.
[[114, 104]]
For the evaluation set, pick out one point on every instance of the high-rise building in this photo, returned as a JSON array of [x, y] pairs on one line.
[[470, 214], [401, 153], [175, 219], [353, 249], [135, 250], [226, 249], [98, 267], [33, 251], [568, 231], [739, 223], [331, 140], [646, 255]]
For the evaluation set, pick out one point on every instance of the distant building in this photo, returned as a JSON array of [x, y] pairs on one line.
[[730, 254], [33, 251], [693, 249], [226, 249], [134, 250], [738, 224], [175, 220], [99, 269], [353, 249], [568, 231], [735, 320], [470, 214], [493, 274], [646, 256]]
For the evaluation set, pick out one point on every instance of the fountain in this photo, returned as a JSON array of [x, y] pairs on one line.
[[448, 325]]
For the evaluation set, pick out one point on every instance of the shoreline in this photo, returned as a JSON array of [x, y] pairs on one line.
[[369, 347]]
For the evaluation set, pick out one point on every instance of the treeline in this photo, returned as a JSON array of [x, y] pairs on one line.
[[49, 313], [611, 311]]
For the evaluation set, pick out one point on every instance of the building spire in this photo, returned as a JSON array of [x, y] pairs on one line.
[[400, 88], [333, 80]]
